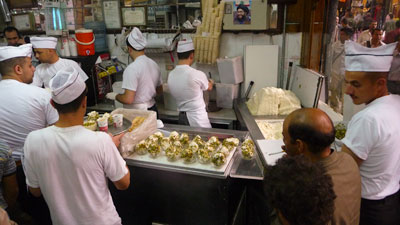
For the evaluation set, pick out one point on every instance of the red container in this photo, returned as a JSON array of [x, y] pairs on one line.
[[84, 42]]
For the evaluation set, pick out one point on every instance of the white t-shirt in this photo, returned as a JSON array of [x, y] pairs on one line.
[[373, 135], [45, 71], [23, 108], [364, 36], [142, 76], [70, 166], [187, 85]]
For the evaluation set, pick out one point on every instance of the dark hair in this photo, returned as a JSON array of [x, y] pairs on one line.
[[376, 29], [72, 106], [398, 23], [244, 8], [11, 29], [316, 140], [7, 66], [130, 46], [184, 55], [391, 15], [347, 30], [344, 20], [301, 190]]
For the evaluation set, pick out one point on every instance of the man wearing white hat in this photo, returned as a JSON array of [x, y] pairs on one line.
[[187, 85], [71, 164], [141, 79], [372, 134], [51, 63], [24, 108]]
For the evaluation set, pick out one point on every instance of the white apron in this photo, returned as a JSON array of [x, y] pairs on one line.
[[141, 106], [198, 118]]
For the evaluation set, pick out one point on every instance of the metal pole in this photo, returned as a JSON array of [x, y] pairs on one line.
[[282, 64]]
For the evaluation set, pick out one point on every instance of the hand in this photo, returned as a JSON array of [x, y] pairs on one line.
[[111, 95], [117, 138], [211, 81]]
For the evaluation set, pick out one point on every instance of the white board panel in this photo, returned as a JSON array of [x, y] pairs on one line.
[[261, 66], [306, 85]]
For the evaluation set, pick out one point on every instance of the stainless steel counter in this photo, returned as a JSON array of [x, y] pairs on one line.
[[246, 119]]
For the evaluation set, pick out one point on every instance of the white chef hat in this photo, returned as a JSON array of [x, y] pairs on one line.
[[360, 58], [9, 52], [44, 42], [185, 46], [66, 86], [136, 39]]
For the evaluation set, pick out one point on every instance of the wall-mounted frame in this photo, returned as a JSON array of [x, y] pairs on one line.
[[24, 22], [112, 14], [134, 16]]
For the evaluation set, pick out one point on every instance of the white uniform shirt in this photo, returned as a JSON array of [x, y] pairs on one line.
[[187, 85], [142, 76], [364, 36], [373, 135], [24, 108], [70, 166], [45, 71]]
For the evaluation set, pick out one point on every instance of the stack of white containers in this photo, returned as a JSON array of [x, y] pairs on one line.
[[231, 75]]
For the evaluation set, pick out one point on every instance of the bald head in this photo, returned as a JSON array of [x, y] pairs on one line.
[[310, 126]]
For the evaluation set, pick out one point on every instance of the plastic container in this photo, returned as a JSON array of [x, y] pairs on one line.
[[72, 46], [230, 70], [85, 42], [226, 93]]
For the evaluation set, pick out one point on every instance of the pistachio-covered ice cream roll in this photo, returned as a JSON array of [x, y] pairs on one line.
[[218, 159], [203, 155], [188, 155], [93, 115], [174, 136], [199, 141], [209, 147], [230, 143], [159, 136], [154, 149], [247, 149], [184, 139], [178, 146], [152, 139], [214, 142], [224, 150], [165, 143], [171, 153], [141, 147]]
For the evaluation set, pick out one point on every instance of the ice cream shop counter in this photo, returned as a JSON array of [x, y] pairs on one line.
[[191, 189]]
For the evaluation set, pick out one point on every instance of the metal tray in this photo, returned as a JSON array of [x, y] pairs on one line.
[[193, 168]]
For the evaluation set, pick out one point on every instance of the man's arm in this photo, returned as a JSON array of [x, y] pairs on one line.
[[128, 97], [10, 189], [35, 191], [356, 158], [124, 182], [210, 85]]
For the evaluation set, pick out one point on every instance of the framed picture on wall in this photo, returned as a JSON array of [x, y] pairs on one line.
[[135, 16], [24, 21]]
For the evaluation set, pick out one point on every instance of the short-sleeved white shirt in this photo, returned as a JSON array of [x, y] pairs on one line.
[[142, 76], [45, 71], [186, 85], [373, 135], [23, 108], [70, 166]]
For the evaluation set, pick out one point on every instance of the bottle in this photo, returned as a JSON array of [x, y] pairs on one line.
[[72, 46]]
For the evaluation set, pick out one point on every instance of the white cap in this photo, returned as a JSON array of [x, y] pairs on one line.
[[44, 42], [66, 86], [185, 46], [136, 39], [9, 52], [363, 59]]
